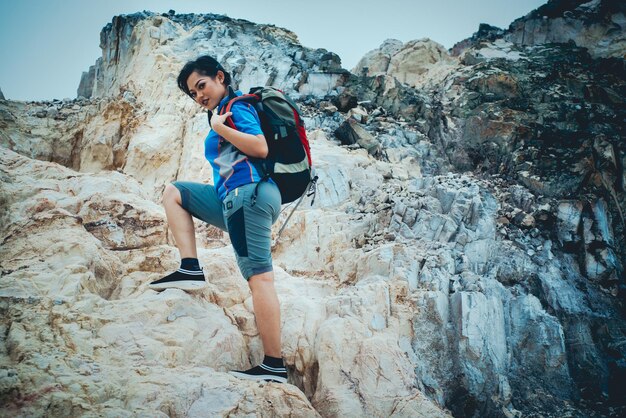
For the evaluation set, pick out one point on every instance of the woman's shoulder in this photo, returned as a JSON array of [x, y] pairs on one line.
[[243, 107]]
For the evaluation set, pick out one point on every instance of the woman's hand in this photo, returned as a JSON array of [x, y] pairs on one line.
[[251, 145], [218, 121]]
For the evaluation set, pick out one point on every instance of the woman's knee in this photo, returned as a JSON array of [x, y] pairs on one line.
[[171, 195], [262, 279]]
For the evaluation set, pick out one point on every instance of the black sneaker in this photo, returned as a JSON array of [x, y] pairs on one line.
[[263, 372], [181, 279]]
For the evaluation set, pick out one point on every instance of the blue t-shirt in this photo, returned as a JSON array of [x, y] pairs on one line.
[[231, 167]]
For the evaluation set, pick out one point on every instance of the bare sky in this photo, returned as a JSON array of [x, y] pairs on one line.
[[45, 45]]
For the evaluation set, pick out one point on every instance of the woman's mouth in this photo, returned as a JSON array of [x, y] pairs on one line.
[[205, 102]]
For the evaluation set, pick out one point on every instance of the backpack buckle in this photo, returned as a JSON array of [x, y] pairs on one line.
[[313, 189]]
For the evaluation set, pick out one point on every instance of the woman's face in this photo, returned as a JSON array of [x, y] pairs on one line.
[[206, 91]]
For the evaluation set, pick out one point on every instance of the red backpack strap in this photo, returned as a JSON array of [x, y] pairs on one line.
[[231, 102]]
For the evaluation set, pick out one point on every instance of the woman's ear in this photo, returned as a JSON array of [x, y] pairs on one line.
[[220, 76]]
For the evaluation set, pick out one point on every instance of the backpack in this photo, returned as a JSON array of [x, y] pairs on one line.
[[288, 162]]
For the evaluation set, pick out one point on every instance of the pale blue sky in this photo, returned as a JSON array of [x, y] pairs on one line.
[[45, 45]]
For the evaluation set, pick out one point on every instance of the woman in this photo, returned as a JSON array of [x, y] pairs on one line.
[[238, 202]]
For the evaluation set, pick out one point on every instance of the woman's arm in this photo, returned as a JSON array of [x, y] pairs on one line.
[[251, 145]]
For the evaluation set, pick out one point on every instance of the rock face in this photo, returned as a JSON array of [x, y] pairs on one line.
[[147, 46], [464, 254], [502, 120], [598, 25], [87, 80], [84, 135]]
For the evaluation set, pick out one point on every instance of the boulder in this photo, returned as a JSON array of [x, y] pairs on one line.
[[351, 132], [377, 61], [415, 63], [345, 100]]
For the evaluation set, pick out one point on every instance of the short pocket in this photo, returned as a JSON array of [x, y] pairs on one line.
[[235, 221], [237, 231]]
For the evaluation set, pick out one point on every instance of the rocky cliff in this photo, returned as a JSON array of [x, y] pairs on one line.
[[596, 25], [464, 254]]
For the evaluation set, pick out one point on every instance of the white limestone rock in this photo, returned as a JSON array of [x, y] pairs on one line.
[[78, 251], [148, 46], [351, 356], [100, 312], [417, 63]]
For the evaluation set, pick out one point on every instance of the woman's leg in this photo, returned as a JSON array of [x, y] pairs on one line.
[[267, 311], [182, 201], [250, 230], [180, 222]]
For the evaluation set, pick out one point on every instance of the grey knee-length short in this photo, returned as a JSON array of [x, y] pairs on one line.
[[249, 226]]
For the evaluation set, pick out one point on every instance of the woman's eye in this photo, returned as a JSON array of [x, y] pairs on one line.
[[201, 86]]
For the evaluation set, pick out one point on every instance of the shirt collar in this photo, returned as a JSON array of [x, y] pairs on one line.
[[225, 99]]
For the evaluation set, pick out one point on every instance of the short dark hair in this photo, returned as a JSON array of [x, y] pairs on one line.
[[204, 65]]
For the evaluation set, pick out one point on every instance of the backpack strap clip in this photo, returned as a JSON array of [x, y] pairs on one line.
[[313, 189], [256, 189]]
